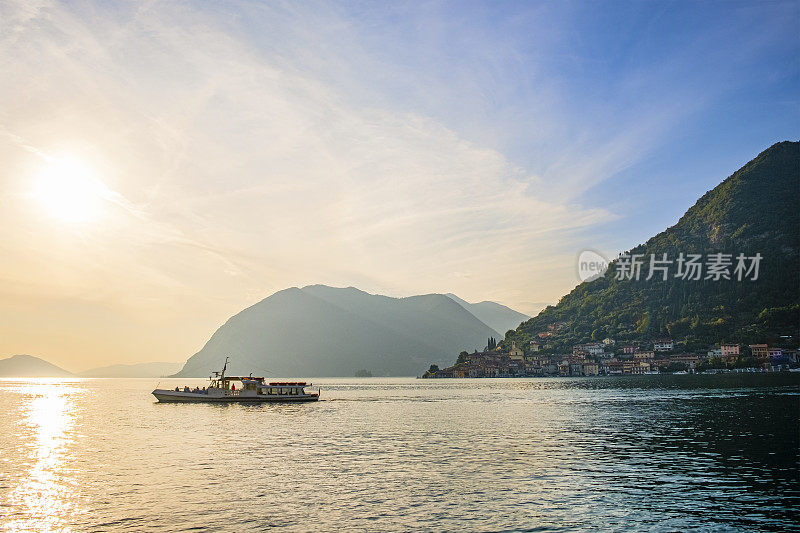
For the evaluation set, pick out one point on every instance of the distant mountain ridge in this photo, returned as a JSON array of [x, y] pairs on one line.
[[754, 211], [496, 316], [326, 331], [28, 366]]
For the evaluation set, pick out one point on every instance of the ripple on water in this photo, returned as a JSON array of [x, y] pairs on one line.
[[652, 452]]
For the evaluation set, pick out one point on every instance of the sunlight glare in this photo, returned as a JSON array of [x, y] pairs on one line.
[[69, 192], [46, 493]]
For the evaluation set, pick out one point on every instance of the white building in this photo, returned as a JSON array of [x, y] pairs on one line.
[[663, 345], [593, 348]]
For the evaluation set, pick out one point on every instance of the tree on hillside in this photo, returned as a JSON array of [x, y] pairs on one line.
[[749, 214]]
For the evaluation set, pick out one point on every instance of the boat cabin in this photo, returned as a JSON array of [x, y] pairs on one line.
[[258, 386]]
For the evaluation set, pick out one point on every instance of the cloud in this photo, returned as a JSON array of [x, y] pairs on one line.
[[257, 146], [227, 152]]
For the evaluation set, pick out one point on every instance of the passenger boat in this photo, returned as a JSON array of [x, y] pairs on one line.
[[223, 389]]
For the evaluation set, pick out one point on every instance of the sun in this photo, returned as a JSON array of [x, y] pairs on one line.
[[69, 192]]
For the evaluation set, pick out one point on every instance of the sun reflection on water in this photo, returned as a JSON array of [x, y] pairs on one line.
[[43, 495]]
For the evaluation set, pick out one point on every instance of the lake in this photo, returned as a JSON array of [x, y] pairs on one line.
[[661, 453]]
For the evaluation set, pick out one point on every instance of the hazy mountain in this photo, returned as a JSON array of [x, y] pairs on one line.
[[28, 366], [139, 370], [754, 211], [498, 317], [325, 331]]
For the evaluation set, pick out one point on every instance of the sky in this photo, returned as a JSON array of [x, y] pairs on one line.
[[167, 164]]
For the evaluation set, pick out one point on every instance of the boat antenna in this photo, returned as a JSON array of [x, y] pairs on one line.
[[224, 367]]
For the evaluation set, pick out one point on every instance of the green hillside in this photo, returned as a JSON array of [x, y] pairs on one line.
[[753, 211]]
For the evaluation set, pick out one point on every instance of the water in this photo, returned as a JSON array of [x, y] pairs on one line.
[[662, 453]]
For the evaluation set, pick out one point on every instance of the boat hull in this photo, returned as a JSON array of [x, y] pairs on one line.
[[171, 396]]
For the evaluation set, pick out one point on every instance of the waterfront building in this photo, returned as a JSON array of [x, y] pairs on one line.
[[778, 360], [534, 371], [689, 360], [728, 352], [613, 367], [759, 351], [550, 369]]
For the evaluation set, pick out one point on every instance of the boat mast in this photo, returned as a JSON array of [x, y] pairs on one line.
[[220, 376], [223, 384]]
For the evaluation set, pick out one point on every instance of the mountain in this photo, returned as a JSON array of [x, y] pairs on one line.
[[326, 331], [498, 317], [752, 211], [28, 366], [139, 370]]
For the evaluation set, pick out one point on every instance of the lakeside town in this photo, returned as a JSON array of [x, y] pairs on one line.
[[608, 358]]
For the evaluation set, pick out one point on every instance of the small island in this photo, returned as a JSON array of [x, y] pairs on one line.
[[363, 373]]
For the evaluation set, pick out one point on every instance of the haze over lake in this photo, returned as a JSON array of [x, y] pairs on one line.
[[400, 453]]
